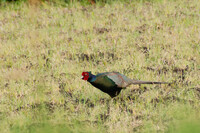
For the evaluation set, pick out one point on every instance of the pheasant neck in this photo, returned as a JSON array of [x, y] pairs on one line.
[[92, 78]]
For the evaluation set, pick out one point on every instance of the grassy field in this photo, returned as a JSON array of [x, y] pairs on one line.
[[44, 49]]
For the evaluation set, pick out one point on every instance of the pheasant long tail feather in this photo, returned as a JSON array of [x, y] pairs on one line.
[[147, 82]]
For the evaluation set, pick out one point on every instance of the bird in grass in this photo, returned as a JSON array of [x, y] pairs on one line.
[[112, 82]]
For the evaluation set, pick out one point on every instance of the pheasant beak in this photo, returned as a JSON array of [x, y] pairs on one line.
[[82, 77]]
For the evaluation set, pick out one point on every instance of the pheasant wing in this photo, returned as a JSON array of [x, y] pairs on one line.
[[120, 80]]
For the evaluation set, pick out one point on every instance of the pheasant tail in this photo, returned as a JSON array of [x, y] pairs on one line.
[[147, 82]]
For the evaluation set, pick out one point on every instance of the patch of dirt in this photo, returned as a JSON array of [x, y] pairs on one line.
[[159, 70], [141, 29], [165, 99], [103, 100], [87, 102], [104, 116], [197, 89], [94, 57], [101, 30], [32, 106], [62, 90], [123, 29], [180, 71], [144, 50], [50, 106]]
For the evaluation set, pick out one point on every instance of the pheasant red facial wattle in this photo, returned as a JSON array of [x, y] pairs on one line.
[[112, 82], [85, 75]]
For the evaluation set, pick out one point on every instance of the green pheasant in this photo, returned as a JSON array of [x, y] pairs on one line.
[[112, 82]]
